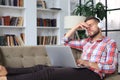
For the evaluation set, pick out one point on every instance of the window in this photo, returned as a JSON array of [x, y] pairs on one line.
[[112, 20]]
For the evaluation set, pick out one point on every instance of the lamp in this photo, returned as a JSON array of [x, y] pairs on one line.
[[71, 21]]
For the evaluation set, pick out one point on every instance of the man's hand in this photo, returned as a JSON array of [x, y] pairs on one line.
[[88, 64], [94, 65], [79, 26], [81, 62], [3, 71]]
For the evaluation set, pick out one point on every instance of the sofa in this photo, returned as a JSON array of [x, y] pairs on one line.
[[27, 56]]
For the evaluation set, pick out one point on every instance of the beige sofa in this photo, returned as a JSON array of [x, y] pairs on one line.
[[27, 56]]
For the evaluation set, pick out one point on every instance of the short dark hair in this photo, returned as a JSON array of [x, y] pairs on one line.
[[92, 17]]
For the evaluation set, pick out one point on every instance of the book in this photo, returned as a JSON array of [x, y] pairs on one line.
[[17, 41], [41, 22], [15, 2], [3, 41], [11, 40], [7, 39], [20, 41], [13, 21], [38, 21], [2, 2], [14, 40], [20, 21], [53, 22], [6, 20], [44, 22], [21, 3], [22, 35], [1, 21]]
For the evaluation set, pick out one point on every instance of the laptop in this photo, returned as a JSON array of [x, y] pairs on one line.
[[61, 56]]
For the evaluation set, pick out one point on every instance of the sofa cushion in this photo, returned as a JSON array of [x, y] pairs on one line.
[[24, 56]]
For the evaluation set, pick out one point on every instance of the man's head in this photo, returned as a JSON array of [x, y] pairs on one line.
[[93, 29]]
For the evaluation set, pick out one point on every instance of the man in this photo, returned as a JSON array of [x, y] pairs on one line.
[[99, 52], [99, 56]]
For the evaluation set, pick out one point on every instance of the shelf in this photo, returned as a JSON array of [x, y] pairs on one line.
[[47, 28], [11, 7], [48, 10], [15, 27]]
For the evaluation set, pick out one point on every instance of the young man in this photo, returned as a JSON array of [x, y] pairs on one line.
[[99, 52], [99, 56]]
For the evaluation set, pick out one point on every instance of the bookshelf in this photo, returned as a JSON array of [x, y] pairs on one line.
[[11, 22], [55, 11], [49, 31]]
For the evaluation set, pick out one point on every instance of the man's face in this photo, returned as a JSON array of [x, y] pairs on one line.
[[93, 29]]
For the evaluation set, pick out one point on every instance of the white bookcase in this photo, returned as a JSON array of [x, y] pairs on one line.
[[30, 13], [47, 13], [27, 12]]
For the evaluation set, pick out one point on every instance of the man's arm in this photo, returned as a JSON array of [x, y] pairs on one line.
[[109, 65], [88, 64], [73, 43], [80, 26]]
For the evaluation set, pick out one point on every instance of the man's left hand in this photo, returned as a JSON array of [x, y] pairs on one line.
[[87, 64]]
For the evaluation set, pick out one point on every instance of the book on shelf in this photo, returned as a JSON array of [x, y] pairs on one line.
[[20, 41], [12, 2], [53, 22], [46, 22], [3, 41], [6, 20], [15, 2], [20, 21], [21, 2], [22, 35], [46, 40], [2, 2], [1, 21], [13, 21]]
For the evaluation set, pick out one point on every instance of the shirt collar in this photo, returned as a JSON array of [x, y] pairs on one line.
[[99, 40]]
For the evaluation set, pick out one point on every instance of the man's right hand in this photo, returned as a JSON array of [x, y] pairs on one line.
[[3, 71], [79, 26]]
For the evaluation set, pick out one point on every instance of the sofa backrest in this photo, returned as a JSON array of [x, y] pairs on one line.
[[23, 56], [26, 56]]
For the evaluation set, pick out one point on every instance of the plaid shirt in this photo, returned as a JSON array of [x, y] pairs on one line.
[[104, 52]]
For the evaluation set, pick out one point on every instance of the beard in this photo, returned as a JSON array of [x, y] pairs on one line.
[[95, 33]]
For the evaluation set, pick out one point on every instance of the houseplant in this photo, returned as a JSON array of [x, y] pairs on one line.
[[90, 9]]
